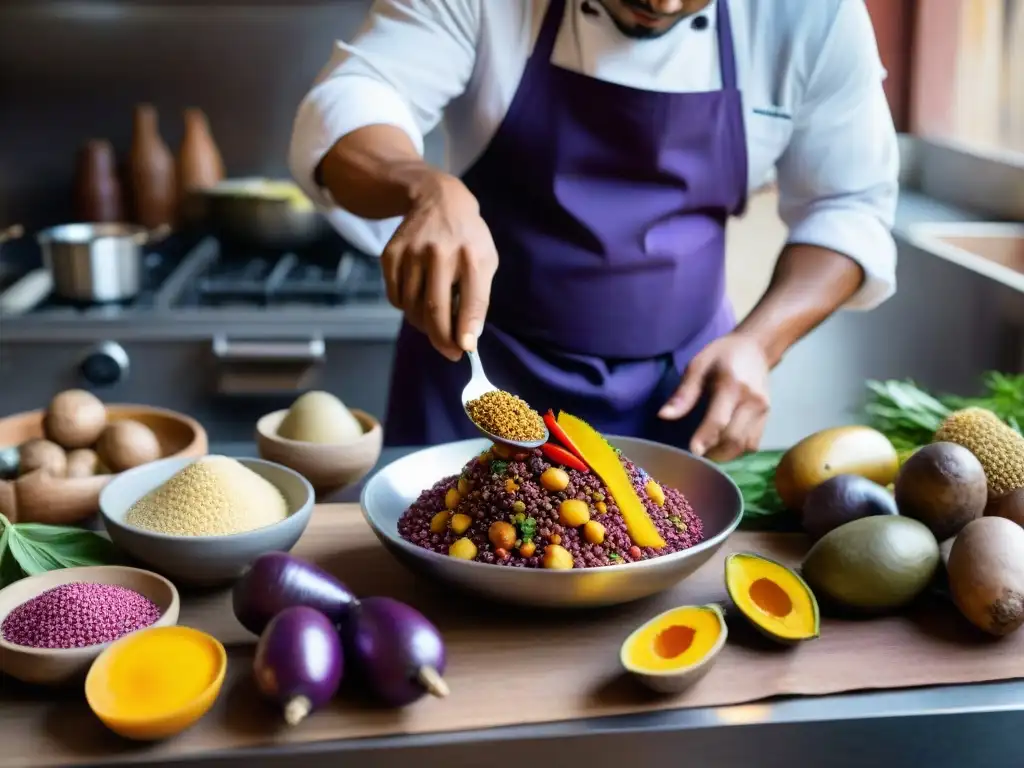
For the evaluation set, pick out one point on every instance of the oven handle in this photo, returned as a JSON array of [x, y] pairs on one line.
[[312, 350]]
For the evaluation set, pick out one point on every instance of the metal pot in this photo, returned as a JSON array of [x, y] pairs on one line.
[[258, 213], [96, 263]]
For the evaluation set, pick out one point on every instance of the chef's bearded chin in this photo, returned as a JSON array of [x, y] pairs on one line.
[[620, 13]]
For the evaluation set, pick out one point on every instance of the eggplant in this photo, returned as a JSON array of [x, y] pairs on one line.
[[399, 653], [299, 661], [277, 580]]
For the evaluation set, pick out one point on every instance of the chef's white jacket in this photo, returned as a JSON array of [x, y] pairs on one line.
[[816, 116]]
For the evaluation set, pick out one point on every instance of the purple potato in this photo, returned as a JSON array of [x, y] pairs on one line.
[[398, 651], [299, 662], [277, 580]]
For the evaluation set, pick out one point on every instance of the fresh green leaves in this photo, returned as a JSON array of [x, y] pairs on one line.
[[527, 529], [28, 549], [754, 475]]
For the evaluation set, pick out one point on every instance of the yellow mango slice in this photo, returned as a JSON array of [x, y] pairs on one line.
[[604, 462]]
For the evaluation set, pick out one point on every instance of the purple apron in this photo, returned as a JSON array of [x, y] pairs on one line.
[[608, 207]]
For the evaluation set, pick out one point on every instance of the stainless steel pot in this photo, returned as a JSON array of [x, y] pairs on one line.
[[96, 263], [259, 213]]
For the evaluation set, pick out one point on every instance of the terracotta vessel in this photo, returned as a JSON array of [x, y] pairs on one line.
[[151, 171], [97, 189], [199, 163]]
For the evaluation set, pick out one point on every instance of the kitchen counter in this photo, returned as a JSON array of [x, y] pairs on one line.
[[970, 725]]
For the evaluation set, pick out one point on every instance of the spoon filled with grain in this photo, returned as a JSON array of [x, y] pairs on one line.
[[500, 415]]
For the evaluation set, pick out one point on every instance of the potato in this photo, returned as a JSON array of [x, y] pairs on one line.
[[851, 450], [42, 454], [83, 462]]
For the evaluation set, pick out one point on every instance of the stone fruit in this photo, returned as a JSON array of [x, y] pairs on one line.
[[842, 499], [876, 563], [74, 419], [772, 597], [675, 649], [852, 450], [999, 448], [986, 574], [942, 485], [1010, 506]]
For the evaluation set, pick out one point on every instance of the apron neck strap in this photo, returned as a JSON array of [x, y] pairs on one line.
[[726, 49], [549, 30]]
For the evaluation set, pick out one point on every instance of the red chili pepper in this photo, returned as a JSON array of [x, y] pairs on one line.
[[560, 455], [559, 434]]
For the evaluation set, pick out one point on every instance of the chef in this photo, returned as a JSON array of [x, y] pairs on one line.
[[576, 236]]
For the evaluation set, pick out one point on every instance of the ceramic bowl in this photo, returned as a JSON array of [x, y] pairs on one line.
[[714, 497], [202, 560], [328, 467], [121, 718], [40, 497], [44, 666]]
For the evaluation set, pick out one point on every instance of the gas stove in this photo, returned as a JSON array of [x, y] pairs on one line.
[[202, 273]]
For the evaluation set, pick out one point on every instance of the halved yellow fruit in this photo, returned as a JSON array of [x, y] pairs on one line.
[[773, 597], [675, 649]]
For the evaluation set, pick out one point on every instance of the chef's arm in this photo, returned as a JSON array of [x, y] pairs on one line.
[[376, 172], [838, 182], [358, 137], [809, 284]]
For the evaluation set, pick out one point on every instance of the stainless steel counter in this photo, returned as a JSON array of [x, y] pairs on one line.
[[971, 726]]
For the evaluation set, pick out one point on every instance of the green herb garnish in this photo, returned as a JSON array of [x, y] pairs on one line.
[[754, 474], [28, 549], [499, 467], [614, 556], [527, 529]]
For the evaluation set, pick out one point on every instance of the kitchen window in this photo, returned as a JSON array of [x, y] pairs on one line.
[[965, 99]]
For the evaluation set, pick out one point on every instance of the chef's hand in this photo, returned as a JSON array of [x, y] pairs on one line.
[[735, 369], [442, 246]]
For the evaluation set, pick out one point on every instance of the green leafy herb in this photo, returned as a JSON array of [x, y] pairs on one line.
[[677, 523], [614, 556], [909, 416], [28, 549], [527, 529], [754, 475], [498, 467]]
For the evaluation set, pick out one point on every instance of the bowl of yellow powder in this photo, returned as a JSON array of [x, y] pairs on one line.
[[203, 521]]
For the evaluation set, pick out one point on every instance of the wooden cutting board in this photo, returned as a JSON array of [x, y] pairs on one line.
[[510, 666]]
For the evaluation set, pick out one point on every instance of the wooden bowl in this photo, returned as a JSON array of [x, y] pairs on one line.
[[328, 467], [45, 666], [41, 498]]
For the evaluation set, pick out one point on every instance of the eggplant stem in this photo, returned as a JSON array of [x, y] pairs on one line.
[[296, 709], [431, 679]]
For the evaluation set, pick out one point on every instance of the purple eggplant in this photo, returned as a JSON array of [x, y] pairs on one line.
[[299, 661], [277, 580], [398, 652]]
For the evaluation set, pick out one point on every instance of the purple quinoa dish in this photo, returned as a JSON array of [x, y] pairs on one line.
[[528, 511]]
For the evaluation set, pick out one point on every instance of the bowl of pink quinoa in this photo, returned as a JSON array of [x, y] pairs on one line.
[[527, 529], [53, 625]]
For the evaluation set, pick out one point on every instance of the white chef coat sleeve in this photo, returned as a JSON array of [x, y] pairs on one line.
[[410, 58], [838, 178]]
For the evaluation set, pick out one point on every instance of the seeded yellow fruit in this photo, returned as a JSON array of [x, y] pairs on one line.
[[999, 448]]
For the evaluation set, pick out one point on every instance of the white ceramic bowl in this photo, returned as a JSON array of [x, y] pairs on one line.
[[713, 495], [202, 560]]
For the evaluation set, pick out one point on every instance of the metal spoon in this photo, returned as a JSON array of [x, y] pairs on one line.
[[478, 385]]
